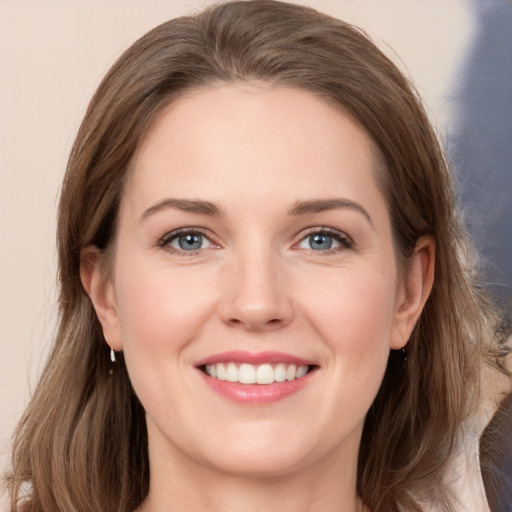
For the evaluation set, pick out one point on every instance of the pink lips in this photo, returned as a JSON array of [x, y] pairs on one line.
[[241, 356], [254, 393]]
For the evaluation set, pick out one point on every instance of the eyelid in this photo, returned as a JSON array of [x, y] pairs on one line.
[[340, 236], [165, 240]]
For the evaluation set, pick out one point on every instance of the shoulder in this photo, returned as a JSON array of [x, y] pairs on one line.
[[480, 473]]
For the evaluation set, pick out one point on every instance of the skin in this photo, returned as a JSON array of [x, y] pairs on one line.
[[256, 284]]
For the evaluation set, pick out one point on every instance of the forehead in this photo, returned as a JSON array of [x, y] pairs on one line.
[[252, 140]]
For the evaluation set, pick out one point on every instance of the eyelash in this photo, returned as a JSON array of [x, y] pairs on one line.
[[345, 241], [166, 240]]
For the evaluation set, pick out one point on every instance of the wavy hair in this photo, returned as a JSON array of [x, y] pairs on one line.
[[82, 443]]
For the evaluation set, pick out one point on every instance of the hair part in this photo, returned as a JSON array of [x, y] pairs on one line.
[[82, 442]]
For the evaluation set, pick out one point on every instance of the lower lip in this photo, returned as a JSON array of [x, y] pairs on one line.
[[256, 393]]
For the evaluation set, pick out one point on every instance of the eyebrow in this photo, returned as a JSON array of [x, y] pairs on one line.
[[185, 205], [300, 208], [321, 205]]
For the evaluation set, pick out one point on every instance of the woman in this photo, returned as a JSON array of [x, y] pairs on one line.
[[265, 297]]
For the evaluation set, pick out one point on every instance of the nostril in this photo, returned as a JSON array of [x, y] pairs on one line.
[[256, 324]]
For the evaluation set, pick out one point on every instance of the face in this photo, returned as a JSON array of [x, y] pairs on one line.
[[254, 288]]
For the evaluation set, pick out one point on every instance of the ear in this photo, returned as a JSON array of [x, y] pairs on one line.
[[98, 285], [413, 291]]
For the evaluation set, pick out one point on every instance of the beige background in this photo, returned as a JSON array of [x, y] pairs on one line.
[[52, 56]]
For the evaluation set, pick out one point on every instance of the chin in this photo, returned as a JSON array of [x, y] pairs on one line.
[[278, 453], [259, 465]]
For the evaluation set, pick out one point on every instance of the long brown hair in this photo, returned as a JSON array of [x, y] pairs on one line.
[[82, 442]]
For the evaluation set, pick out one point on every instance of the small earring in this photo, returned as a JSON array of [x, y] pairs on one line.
[[113, 360], [404, 358]]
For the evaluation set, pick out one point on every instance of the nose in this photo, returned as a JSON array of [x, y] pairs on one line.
[[256, 296]]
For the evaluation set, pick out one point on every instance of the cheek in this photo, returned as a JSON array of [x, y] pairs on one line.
[[359, 302], [161, 313], [159, 310], [355, 317], [351, 313]]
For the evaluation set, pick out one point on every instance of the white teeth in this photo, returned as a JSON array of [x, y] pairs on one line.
[[301, 371], [280, 373], [265, 374], [232, 373], [261, 374], [221, 371], [247, 374], [291, 372]]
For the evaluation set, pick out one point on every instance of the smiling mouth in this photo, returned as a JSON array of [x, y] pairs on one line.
[[257, 374]]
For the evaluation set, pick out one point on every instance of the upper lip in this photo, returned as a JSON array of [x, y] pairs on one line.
[[254, 358]]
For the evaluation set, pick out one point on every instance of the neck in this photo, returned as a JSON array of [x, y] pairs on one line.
[[250, 495], [325, 486]]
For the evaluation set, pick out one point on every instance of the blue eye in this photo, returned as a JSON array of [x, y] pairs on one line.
[[189, 242], [320, 242], [186, 241], [325, 241]]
